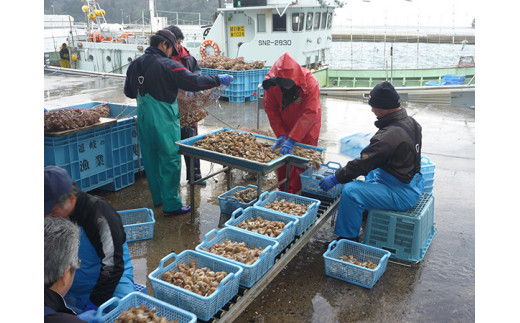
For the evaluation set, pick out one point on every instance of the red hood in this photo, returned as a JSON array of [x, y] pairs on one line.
[[287, 67], [183, 52]]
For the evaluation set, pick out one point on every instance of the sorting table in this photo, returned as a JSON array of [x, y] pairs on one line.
[[186, 147]]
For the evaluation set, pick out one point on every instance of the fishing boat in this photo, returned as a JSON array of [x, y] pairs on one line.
[[255, 29]]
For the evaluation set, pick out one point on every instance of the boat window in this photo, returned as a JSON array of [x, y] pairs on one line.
[[260, 18], [323, 20], [317, 21], [329, 20], [297, 21], [279, 23], [308, 26]]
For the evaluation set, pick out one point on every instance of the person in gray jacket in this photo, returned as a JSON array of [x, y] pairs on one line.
[[391, 164]]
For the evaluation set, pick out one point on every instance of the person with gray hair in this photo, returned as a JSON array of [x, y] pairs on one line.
[[61, 244]]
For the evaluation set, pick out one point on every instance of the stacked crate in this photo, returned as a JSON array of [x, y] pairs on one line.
[[244, 85]]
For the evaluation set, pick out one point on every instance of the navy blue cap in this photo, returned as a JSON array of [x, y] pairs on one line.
[[57, 183]]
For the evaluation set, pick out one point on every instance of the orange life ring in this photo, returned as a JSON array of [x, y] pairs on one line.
[[125, 34], [207, 43]]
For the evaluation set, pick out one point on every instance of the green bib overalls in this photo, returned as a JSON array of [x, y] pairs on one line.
[[158, 129]]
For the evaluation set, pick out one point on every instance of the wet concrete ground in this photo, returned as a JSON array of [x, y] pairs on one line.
[[441, 288]]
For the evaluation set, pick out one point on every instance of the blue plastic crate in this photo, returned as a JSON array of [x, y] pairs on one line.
[[229, 203], [352, 145], [244, 84], [253, 212], [311, 180], [428, 172], [86, 156], [116, 306], [306, 220], [202, 306], [251, 273], [407, 234], [359, 275], [138, 224], [101, 157]]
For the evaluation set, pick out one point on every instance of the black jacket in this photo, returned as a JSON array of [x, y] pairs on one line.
[[395, 148], [163, 77], [62, 313], [104, 229]]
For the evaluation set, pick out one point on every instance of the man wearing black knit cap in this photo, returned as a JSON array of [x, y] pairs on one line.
[[391, 164], [153, 79]]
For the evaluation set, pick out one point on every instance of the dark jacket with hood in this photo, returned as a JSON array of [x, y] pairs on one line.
[[104, 229], [163, 77], [395, 148]]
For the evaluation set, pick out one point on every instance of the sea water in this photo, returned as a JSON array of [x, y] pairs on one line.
[[376, 55]]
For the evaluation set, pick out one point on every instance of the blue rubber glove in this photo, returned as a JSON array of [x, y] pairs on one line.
[[328, 182], [287, 146], [90, 316], [278, 141], [90, 306], [225, 79]]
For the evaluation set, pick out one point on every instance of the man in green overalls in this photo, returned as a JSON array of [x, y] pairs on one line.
[[154, 79]]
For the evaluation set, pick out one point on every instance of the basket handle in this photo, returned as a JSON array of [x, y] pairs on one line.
[[237, 213], [263, 196], [332, 245], [288, 226], [265, 252], [150, 211], [333, 163], [313, 206], [214, 231], [102, 307], [167, 257], [427, 159], [225, 280], [316, 177]]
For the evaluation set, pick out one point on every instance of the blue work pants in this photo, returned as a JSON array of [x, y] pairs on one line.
[[379, 190]]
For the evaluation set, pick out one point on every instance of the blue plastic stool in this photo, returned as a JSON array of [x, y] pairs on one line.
[[407, 234]]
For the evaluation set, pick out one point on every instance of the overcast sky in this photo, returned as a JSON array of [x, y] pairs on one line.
[[458, 13]]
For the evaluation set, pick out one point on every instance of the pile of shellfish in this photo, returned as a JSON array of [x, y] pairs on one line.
[[237, 251], [238, 144], [245, 145], [287, 207], [247, 195], [141, 314], [350, 259], [202, 281], [266, 227], [232, 64]]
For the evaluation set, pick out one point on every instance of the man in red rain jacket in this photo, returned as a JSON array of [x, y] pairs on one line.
[[292, 104]]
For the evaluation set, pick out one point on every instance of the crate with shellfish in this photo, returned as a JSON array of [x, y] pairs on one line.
[[237, 197], [267, 223], [139, 307], [195, 282], [311, 180], [303, 208], [254, 253], [138, 224], [93, 142], [355, 262]]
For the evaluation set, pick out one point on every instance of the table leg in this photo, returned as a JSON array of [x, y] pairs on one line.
[[192, 187]]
